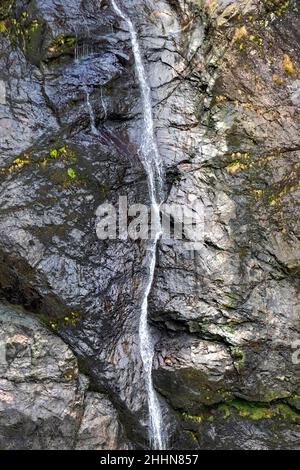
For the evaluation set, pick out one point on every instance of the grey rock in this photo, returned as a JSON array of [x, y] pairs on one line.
[[100, 428], [194, 373], [43, 399], [225, 96]]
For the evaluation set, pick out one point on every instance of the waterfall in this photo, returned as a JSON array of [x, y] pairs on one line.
[[151, 160]]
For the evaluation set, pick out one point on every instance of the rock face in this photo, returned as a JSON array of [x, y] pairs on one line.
[[43, 399], [99, 429], [225, 313]]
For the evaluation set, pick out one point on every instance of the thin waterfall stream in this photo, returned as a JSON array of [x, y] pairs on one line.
[[84, 52], [94, 129], [151, 160]]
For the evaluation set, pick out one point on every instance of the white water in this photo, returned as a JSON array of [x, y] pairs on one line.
[[152, 163]]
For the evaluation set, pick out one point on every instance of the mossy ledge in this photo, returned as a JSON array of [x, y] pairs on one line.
[[248, 410]]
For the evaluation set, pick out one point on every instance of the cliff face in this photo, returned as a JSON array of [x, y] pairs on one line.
[[226, 93]]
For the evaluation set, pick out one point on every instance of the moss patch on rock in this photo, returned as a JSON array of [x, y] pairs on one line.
[[6, 8], [253, 411], [62, 44], [62, 153]]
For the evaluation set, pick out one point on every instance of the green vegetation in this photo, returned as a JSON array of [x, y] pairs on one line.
[[53, 153], [70, 320], [62, 44], [238, 356], [194, 419], [192, 435], [3, 28], [6, 8], [22, 30], [288, 413], [71, 173], [277, 7], [65, 154], [245, 409]]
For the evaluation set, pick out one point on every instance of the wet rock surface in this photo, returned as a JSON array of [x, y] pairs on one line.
[[225, 86]]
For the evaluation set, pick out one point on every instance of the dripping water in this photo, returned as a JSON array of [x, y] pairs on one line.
[[82, 52], [94, 129], [104, 107], [152, 163]]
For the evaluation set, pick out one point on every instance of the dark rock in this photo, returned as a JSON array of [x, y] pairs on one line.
[[225, 314], [43, 397]]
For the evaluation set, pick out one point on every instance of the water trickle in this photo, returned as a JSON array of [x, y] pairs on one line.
[[104, 107], [94, 129], [153, 166], [81, 53]]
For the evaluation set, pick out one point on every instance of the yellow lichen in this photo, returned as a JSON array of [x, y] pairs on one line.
[[278, 80], [240, 33], [220, 98], [19, 163], [69, 374], [235, 167], [257, 193], [288, 65]]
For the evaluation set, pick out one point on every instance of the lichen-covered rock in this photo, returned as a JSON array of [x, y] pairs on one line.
[[241, 425]]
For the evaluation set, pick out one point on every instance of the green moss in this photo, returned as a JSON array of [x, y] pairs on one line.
[[248, 410], [64, 153], [23, 31], [256, 39], [225, 410], [53, 153], [230, 301], [294, 397], [3, 28], [258, 411], [71, 173], [70, 320], [252, 410], [238, 356], [33, 26], [277, 7], [62, 44], [194, 419], [288, 413], [192, 435], [6, 8]]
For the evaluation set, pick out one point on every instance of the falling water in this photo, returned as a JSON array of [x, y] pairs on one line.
[[152, 163], [82, 52], [91, 111]]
